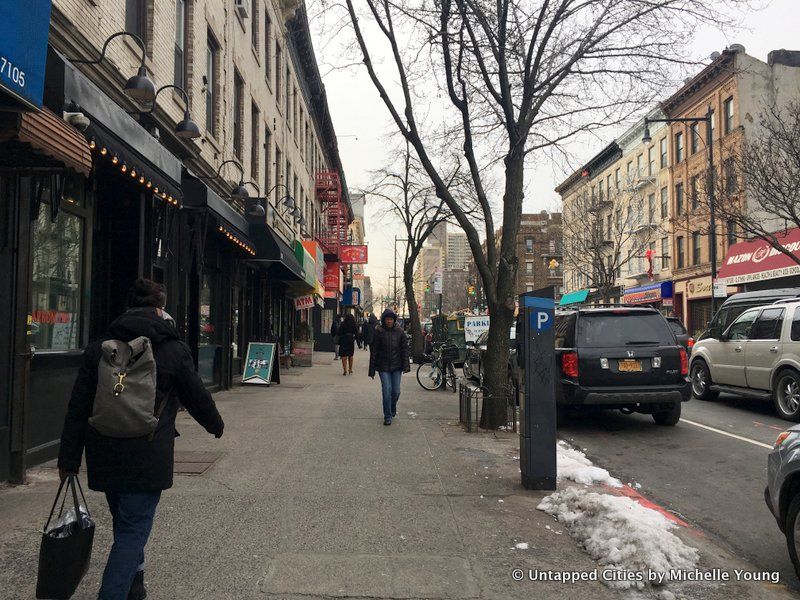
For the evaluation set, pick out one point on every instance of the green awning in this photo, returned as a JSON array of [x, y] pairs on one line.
[[574, 297]]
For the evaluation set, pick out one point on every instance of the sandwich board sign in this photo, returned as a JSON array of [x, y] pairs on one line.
[[259, 363]]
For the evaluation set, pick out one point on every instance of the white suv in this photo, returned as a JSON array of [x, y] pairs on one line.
[[757, 355]]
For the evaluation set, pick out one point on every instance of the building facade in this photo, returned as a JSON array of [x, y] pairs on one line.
[[101, 184], [457, 254]]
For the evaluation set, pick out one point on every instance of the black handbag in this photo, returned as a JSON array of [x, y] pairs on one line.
[[66, 549]]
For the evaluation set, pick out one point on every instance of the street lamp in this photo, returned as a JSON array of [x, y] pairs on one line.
[[239, 191], [708, 120], [139, 87]]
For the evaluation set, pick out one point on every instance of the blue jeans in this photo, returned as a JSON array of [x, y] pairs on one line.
[[132, 514], [390, 388]]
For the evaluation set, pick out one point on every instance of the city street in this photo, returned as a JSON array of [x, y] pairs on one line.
[[712, 480]]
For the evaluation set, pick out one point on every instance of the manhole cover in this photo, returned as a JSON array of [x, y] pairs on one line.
[[194, 463]]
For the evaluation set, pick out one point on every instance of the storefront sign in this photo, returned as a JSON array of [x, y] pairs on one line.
[[699, 288], [353, 255], [24, 31], [654, 292], [474, 327], [757, 260], [316, 253], [331, 278], [259, 362], [351, 297], [304, 302]]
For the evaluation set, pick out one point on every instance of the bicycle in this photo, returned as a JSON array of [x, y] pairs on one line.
[[437, 370]]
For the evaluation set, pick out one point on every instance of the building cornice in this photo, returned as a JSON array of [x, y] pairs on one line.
[[721, 66]]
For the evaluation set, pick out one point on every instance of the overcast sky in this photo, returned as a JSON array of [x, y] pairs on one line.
[[362, 122]]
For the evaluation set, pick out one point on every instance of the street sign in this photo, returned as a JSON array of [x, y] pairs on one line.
[[536, 345], [474, 327], [437, 282], [720, 288]]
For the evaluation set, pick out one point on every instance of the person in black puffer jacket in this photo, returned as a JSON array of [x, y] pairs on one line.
[[389, 358], [134, 471]]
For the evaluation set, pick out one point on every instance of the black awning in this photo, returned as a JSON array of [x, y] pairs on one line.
[[231, 223], [272, 251]]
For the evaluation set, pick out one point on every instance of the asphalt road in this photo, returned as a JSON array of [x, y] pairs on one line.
[[711, 480]]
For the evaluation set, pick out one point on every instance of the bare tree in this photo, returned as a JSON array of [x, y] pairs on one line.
[[606, 236], [758, 189], [410, 198], [516, 77]]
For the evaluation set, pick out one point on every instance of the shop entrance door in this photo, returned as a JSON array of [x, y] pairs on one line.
[[117, 247]]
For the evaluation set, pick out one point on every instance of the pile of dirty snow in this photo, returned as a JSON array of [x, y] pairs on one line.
[[620, 533], [573, 465]]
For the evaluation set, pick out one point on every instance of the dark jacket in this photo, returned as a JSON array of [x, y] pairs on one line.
[[368, 329], [389, 349], [136, 464], [335, 328]]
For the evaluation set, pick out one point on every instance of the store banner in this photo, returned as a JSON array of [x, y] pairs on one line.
[[304, 302], [654, 292], [24, 31], [757, 260], [331, 278], [315, 250], [353, 255]]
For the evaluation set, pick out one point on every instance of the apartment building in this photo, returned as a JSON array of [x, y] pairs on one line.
[[188, 141]]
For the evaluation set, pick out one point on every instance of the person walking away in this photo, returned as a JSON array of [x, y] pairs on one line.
[[369, 330], [360, 335], [335, 335], [347, 342], [389, 358], [107, 412]]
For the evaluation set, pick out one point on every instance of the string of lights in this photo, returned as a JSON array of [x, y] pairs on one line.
[[233, 238]]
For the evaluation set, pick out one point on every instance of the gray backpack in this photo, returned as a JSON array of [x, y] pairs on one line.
[[125, 399]]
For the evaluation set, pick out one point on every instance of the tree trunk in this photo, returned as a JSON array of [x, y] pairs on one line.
[[501, 310], [417, 339]]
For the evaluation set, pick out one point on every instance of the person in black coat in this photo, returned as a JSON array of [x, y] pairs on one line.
[[389, 357], [134, 471], [368, 329], [348, 331], [337, 322]]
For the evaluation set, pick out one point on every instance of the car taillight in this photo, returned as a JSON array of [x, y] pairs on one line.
[[690, 343], [569, 364], [684, 362], [782, 438]]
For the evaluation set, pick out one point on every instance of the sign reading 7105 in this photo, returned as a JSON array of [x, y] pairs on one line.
[[24, 28], [12, 72]]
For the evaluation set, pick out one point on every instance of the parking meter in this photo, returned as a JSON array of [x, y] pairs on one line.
[[537, 362]]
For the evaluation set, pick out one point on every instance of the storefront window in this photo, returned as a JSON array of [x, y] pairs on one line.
[[58, 258], [209, 348]]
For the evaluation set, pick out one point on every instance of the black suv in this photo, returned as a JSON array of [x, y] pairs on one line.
[[621, 357]]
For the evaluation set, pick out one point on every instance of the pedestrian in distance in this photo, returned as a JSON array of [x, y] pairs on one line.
[[369, 330], [347, 342], [389, 357], [130, 382], [360, 336], [337, 321]]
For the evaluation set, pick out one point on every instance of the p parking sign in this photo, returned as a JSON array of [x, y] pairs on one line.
[[542, 313]]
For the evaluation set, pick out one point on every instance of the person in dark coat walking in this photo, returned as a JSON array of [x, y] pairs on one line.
[[134, 471], [337, 321], [389, 358], [368, 329], [348, 331]]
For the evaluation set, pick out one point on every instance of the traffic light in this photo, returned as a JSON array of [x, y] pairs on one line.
[[471, 290], [427, 288]]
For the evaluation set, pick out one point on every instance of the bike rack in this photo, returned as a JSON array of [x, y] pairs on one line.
[[470, 401]]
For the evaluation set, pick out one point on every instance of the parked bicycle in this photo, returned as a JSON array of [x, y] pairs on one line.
[[437, 371]]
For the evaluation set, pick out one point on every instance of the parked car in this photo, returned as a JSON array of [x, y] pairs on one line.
[[473, 363], [783, 489], [683, 337], [625, 358], [738, 303], [758, 355]]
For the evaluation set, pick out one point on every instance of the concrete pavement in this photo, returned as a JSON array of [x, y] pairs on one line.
[[312, 497]]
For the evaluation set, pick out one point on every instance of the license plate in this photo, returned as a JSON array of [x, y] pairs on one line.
[[630, 366]]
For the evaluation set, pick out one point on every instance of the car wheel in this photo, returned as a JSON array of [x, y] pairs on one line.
[[701, 381], [668, 417], [786, 395], [792, 530]]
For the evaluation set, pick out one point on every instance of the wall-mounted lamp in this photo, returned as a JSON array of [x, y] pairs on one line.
[[139, 87], [185, 129]]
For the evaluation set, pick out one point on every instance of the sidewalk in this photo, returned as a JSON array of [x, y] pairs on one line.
[[312, 497]]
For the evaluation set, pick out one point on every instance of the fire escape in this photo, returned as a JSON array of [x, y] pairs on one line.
[[329, 193]]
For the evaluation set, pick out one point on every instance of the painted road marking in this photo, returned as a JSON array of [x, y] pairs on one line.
[[731, 435]]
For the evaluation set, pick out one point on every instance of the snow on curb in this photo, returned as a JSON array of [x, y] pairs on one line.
[[620, 534], [572, 464]]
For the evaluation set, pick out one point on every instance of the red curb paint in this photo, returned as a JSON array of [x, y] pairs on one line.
[[631, 493]]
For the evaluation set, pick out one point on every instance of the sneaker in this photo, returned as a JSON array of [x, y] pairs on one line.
[[394, 414], [138, 590], [387, 421]]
